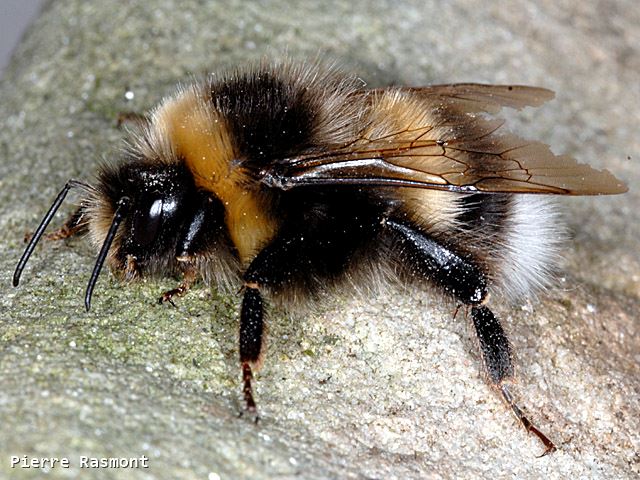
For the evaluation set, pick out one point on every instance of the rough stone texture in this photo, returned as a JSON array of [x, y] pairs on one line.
[[385, 387]]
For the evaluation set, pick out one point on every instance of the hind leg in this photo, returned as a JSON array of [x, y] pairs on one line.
[[497, 359], [461, 277]]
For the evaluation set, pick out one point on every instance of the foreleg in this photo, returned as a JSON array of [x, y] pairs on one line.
[[71, 227], [189, 277]]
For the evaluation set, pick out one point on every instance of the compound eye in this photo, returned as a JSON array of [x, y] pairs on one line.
[[146, 221]]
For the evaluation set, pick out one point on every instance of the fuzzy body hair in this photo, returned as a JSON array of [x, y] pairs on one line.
[[203, 129], [291, 181]]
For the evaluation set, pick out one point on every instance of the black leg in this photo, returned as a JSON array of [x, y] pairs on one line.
[[461, 277], [272, 268], [496, 356], [494, 345], [251, 330], [426, 258]]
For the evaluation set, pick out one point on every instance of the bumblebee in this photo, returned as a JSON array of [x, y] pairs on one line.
[[288, 179]]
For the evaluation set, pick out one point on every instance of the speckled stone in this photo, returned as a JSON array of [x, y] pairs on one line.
[[363, 387]]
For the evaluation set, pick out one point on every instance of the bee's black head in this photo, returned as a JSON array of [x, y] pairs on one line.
[[158, 200], [144, 217]]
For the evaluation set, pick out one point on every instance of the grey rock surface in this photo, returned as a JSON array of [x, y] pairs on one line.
[[362, 387]]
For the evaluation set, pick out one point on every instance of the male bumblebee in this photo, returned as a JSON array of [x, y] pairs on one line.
[[288, 179]]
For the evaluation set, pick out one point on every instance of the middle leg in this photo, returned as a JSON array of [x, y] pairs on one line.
[[273, 268], [303, 260]]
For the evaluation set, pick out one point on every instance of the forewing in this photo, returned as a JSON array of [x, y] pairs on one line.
[[478, 97], [441, 137]]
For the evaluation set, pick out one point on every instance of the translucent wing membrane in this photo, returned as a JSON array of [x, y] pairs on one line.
[[441, 138], [476, 97]]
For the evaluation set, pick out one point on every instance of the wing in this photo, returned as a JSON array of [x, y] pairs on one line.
[[441, 137]]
